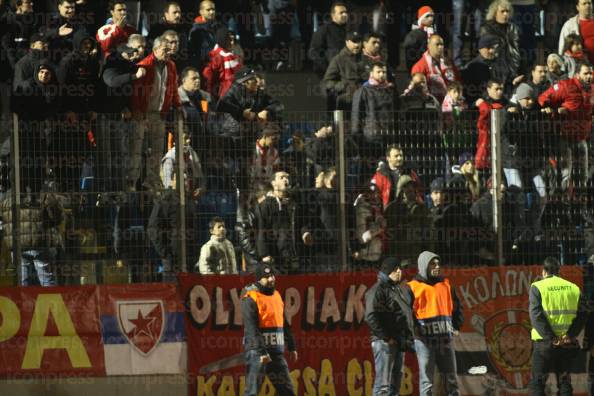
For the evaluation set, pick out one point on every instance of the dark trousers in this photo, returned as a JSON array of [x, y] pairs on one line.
[[548, 359], [277, 371]]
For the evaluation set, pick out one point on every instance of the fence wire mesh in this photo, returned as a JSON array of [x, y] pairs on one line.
[[107, 198]]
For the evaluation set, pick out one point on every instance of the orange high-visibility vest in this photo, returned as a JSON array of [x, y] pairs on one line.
[[271, 319], [433, 307]]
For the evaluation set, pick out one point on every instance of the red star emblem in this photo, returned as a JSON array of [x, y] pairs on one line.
[[143, 325]]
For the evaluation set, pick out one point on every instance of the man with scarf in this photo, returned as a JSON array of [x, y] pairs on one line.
[[388, 313], [372, 118], [266, 332], [439, 71], [415, 42], [438, 317], [570, 101]]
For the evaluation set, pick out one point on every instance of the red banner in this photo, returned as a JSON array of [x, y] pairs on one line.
[[326, 313], [50, 331]]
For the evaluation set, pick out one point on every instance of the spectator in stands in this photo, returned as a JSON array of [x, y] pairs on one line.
[[417, 96], [202, 36], [37, 103], [329, 39], [247, 225], [465, 175], [483, 68], [321, 149], [437, 69], [265, 158], [494, 100], [415, 42], [78, 73], [345, 74], [250, 108], [407, 220], [499, 24], [372, 118], [454, 102], [573, 54], [538, 80], [370, 228], [220, 71], [23, 69], [154, 96], [195, 182], [572, 100], [524, 158], [177, 55], [118, 75], [20, 25], [389, 173], [117, 32], [173, 20], [217, 256], [285, 232], [583, 25], [555, 69], [196, 104], [164, 232], [137, 42], [40, 237], [61, 28], [372, 52]]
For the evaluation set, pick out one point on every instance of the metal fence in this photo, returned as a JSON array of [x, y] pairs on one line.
[[108, 199]]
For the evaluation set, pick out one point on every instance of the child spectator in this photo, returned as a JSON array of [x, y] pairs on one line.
[[454, 101], [573, 53], [217, 256]]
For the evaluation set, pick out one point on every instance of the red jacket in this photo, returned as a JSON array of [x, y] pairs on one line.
[[141, 91], [220, 72], [110, 36], [383, 183], [439, 75], [570, 94], [482, 158]]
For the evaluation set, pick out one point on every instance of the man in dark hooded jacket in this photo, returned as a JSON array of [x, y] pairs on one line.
[[202, 36], [36, 102], [24, 68], [388, 313], [438, 315]]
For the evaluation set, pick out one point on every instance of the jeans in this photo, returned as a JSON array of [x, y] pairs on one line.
[[37, 262], [546, 359], [388, 368], [526, 18], [277, 371], [457, 34], [441, 353]]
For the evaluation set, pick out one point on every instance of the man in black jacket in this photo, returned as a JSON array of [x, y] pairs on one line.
[[266, 331], [24, 67], [61, 28], [481, 69], [329, 39], [202, 36], [115, 126], [388, 313], [173, 19], [284, 231], [372, 119]]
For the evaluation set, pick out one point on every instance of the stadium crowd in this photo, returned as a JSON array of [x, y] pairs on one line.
[[99, 87]]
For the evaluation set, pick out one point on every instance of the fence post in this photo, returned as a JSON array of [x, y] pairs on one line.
[[341, 173], [16, 197], [497, 120], [180, 186]]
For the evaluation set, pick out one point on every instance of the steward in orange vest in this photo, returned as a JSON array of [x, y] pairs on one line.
[[438, 317], [266, 333]]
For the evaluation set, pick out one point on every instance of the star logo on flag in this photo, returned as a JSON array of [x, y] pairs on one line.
[[142, 323]]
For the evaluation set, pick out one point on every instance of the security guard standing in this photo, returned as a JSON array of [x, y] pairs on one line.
[[557, 315], [265, 333]]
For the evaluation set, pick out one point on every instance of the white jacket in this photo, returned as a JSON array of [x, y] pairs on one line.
[[572, 25], [217, 257]]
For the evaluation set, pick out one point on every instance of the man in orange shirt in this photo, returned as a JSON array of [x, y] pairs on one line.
[[438, 316]]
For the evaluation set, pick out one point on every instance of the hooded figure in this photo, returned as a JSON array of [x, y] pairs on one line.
[[38, 99], [79, 74], [438, 316], [24, 67]]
